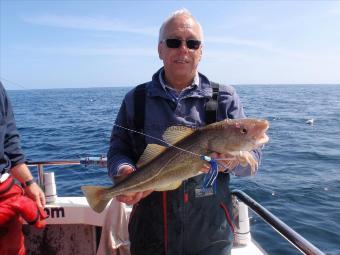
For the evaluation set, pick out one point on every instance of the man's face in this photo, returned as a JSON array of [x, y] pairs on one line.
[[181, 63]]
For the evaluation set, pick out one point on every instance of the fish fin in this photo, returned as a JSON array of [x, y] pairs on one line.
[[171, 186], [174, 134], [96, 197], [151, 152]]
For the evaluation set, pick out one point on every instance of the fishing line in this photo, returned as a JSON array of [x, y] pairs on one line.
[[171, 145], [158, 139], [23, 87], [131, 130], [209, 178], [12, 82], [203, 157]]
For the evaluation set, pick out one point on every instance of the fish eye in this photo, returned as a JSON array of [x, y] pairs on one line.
[[243, 131]]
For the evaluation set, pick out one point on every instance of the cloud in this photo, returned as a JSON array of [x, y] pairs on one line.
[[255, 44], [89, 23], [135, 52], [237, 41], [335, 9]]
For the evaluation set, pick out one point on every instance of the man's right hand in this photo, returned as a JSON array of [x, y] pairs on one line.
[[130, 198]]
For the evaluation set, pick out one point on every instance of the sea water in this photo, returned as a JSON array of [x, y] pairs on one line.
[[298, 180]]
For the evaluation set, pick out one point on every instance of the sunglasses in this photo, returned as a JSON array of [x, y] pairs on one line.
[[176, 43]]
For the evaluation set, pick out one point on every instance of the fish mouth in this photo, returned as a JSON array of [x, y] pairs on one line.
[[262, 140], [261, 137]]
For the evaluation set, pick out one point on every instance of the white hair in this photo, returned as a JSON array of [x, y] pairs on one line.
[[179, 12]]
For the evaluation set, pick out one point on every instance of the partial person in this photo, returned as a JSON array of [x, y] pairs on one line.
[[16, 202], [185, 220]]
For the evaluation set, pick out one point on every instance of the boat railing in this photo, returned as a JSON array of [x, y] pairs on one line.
[[300, 243]]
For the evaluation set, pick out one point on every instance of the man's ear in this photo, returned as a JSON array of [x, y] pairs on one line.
[[201, 51], [160, 50]]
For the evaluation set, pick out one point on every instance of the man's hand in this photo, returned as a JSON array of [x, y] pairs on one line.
[[230, 161], [22, 173], [34, 192], [130, 198], [246, 158]]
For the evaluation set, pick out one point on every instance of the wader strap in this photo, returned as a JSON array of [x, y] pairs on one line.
[[139, 98], [212, 105]]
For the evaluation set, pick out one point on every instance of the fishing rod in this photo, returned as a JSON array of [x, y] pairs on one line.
[[86, 161]]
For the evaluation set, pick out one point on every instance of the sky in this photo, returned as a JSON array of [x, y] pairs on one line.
[[84, 43]]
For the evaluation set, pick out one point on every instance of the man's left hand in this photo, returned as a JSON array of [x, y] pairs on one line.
[[230, 162], [34, 192]]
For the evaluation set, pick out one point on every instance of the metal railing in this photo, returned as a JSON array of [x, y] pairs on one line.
[[283, 229]]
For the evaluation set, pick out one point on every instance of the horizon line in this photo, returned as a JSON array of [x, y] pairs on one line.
[[240, 84]]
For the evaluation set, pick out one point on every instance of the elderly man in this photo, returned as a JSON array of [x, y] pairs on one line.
[[185, 220], [15, 202]]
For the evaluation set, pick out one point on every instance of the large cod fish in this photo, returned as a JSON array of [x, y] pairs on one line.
[[164, 168]]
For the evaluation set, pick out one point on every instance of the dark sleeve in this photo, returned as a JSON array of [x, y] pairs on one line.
[[11, 138], [230, 106], [122, 146]]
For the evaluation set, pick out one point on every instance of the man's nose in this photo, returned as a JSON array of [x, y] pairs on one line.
[[183, 47]]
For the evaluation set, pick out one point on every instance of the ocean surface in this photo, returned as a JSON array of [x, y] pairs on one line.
[[299, 178]]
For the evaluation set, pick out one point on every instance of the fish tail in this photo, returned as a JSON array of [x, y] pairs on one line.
[[96, 197]]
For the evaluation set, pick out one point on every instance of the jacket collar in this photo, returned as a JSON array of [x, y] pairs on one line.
[[155, 88]]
